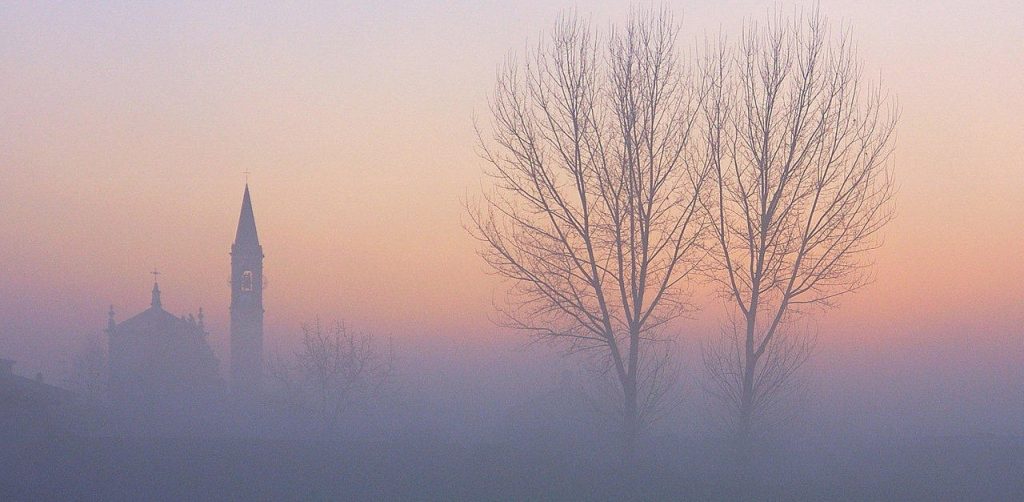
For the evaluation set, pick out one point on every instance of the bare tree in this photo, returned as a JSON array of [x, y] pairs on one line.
[[333, 371], [594, 216], [800, 150], [87, 372]]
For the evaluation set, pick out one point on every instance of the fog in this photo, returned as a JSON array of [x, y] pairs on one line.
[[349, 252], [500, 419]]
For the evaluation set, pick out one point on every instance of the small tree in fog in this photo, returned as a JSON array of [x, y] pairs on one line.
[[335, 369], [799, 150], [594, 214], [87, 372]]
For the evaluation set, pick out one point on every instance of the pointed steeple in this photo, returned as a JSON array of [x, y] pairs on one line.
[[245, 236]]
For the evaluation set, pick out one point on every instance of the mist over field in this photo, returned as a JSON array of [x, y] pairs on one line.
[[530, 250]]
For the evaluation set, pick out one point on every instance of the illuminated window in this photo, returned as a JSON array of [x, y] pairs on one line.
[[247, 280]]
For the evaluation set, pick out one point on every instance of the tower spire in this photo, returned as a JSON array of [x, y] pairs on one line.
[[245, 235]]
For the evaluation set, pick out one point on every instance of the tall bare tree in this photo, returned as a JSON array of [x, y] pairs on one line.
[[800, 148], [594, 216]]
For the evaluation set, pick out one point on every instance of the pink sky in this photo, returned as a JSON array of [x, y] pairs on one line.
[[127, 129]]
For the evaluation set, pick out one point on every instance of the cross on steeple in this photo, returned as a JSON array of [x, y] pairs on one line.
[[155, 273], [246, 173]]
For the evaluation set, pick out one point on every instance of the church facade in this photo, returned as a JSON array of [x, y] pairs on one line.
[[161, 364]]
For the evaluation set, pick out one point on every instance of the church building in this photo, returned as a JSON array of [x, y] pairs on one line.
[[161, 364]]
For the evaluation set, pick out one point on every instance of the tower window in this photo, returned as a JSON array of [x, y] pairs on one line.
[[247, 280]]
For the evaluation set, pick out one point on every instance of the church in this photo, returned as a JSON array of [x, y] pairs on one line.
[[161, 364]]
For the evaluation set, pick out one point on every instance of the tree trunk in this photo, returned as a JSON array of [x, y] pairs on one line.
[[631, 423], [631, 406], [745, 425], [745, 429]]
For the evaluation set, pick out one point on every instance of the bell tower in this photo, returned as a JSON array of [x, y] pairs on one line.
[[246, 305]]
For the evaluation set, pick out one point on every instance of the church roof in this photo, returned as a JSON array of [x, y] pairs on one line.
[[245, 235], [148, 320], [156, 320]]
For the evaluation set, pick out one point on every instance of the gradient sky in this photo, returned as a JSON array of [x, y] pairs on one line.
[[126, 129]]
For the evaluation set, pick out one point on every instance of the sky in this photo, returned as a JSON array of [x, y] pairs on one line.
[[126, 129]]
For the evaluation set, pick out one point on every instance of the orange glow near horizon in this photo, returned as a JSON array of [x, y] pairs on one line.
[[126, 133]]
